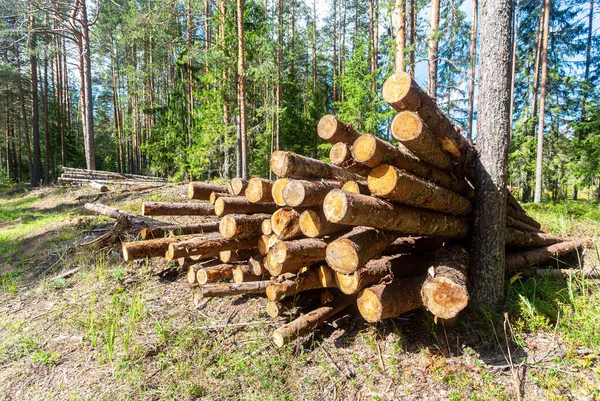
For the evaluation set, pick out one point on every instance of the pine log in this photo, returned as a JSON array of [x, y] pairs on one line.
[[332, 130], [539, 256], [362, 210], [186, 262], [231, 289], [444, 292], [237, 256], [392, 183], [208, 244], [292, 165], [519, 225], [241, 205], [259, 190], [326, 276], [150, 248], [98, 186], [257, 265], [302, 193], [244, 274], [279, 308], [111, 174], [214, 274], [313, 224], [341, 155], [513, 202], [305, 323], [216, 195], [522, 216], [266, 242], [237, 186], [291, 256], [241, 225], [529, 239], [164, 231], [285, 223], [202, 190], [387, 300], [177, 209], [277, 191], [402, 93], [356, 187], [279, 289], [414, 245], [563, 273], [128, 183], [266, 228], [132, 218]]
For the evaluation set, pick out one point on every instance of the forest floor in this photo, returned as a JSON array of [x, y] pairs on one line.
[[115, 331]]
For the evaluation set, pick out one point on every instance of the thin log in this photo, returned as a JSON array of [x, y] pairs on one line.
[[519, 225], [177, 209], [214, 274], [292, 165], [132, 218], [285, 223], [241, 225], [313, 224], [277, 191], [171, 230], [302, 193], [341, 155], [237, 256], [216, 195], [332, 130], [529, 239], [522, 216], [244, 274], [202, 190], [266, 228], [241, 205], [513, 202], [237, 186], [291, 256], [387, 300], [150, 248], [209, 244], [85, 181], [259, 190], [280, 289], [539, 256], [356, 187], [231, 289]]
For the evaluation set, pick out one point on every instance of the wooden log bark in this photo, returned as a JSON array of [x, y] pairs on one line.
[[171, 230], [237, 186], [285, 223], [216, 195], [241, 225], [291, 256], [356, 187], [341, 155], [279, 289], [387, 300], [513, 202], [410, 130], [522, 216], [214, 274], [514, 237], [414, 245], [305, 323], [332, 130], [362, 210], [257, 265], [209, 244], [132, 218], [519, 225], [98, 186], [266, 228], [539, 256], [112, 175], [444, 292], [177, 209], [302, 193], [243, 274], [349, 252], [277, 191], [266, 242], [150, 248], [291, 165], [231, 289], [392, 183], [259, 190], [237, 256], [241, 205], [313, 224], [202, 190]]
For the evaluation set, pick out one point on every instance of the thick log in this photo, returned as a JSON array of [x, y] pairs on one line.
[[539, 256], [241, 225], [402, 93], [259, 190], [444, 292], [302, 193], [237, 186], [213, 274], [266, 242], [279, 289], [132, 218], [514, 237], [341, 155], [305, 323], [313, 224], [150, 248], [387, 300], [202, 190], [257, 265], [356, 187], [216, 195], [266, 228], [362, 210], [292, 165], [285, 223], [519, 225], [244, 274], [522, 216], [237, 256], [332, 130], [291, 256], [98, 186], [231, 289], [277, 191], [177, 209], [241, 205], [392, 183], [209, 244], [170, 230]]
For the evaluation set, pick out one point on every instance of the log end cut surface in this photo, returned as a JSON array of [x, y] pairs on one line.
[[228, 226], [310, 223], [279, 162], [444, 298], [364, 148], [383, 179], [335, 205], [369, 305], [406, 126], [277, 191], [342, 256], [327, 127], [294, 193], [396, 87]]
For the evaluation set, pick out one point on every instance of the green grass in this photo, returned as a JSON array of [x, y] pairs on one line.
[[567, 217]]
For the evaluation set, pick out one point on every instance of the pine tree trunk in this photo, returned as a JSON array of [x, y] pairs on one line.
[[36, 175], [540, 136], [586, 78], [472, 61], [46, 124], [242, 90], [413, 34], [400, 34], [279, 77], [434, 22], [24, 117], [513, 66]]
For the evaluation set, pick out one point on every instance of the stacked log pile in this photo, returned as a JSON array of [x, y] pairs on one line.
[[100, 180], [384, 227]]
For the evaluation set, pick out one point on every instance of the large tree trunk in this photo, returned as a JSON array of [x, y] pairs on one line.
[[242, 89], [515, 39], [209, 244], [301, 193], [36, 175], [586, 76], [434, 22], [399, 9], [170, 230], [487, 256], [45, 101], [279, 77], [472, 61], [24, 117], [241, 225], [87, 84], [537, 198]]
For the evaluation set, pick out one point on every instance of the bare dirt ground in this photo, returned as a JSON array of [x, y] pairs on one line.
[[118, 331]]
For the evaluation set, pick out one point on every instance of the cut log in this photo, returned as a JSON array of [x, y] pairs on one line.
[[279, 289], [202, 190], [150, 248], [171, 230], [522, 216], [98, 186], [132, 218], [313, 224], [216, 195], [285, 223], [231, 289], [410, 130], [244, 274], [277, 191], [266, 242], [341, 155], [362, 210], [237, 186], [513, 202], [291, 256], [349, 252], [387, 300], [177, 209], [208, 244], [241, 205], [414, 245], [266, 228], [519, 225], [326, 276], [128, 183], [259, 190], [237, 256], [305, 323], [539, 256], [332, 130], [292, 165], [214, 274], [402, 93], [529, 239], [301, 193], [241, 225], [279, 308], [111, 174], [392, 183], [356, 187], [256, 265], [444, 292]]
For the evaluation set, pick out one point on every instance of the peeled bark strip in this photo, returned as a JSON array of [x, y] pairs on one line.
[[278, 290], [277, 191], [341, 155], [522, 216], [244, 274], [164, 231], [236, 256], [529, 239], [266, 228], [392, 183], [384, 301], [444, 292], [291, 256], [349, 252], [285, 223], [292, 165], [362, 210], [519, 225], [207, 245], [313, 224], [332, 130], [305, 323], [301, 193], [241, 225], [259, 190], [214, 274], [231, 289], [237, 186], [202, 190], [520, 260], [356, 187], [150, 248], [216, 195], [241, 205], [177, 209], [257, 265], [132, 218]]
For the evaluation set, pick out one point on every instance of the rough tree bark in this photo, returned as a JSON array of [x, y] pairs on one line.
[[472, 60], [540, 135], [434, 22], [242, 88]]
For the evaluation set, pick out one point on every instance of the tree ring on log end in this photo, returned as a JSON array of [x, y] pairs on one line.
[[382, 179], [335, 205], [406, 126], [369, 305]]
